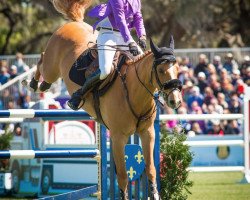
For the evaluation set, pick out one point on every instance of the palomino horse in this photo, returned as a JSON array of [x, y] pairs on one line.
[[128, 106]]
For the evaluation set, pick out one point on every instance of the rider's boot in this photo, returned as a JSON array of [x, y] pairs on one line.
[[76, 98]]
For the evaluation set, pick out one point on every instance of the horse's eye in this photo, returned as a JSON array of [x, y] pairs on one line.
[[161, 71]]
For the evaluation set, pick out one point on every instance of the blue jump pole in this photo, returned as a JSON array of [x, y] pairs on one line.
[[31, 154], [47, 113]]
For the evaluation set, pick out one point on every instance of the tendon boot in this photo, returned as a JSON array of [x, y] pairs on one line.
[[154, 195], [76, 98], [123, 195], [34, 84], [44, 86]]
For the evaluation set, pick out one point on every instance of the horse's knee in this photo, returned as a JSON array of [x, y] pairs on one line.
[[44, 86], [151, 172]]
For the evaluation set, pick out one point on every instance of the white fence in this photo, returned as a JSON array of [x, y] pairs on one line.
[[245, 142]]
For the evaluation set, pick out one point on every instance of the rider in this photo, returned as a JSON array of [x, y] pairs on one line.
[[115, 20]]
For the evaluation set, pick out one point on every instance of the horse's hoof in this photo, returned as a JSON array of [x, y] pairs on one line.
[[123, 195], [155, 196]]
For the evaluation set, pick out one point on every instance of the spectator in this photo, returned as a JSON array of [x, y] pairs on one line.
[[184, 123], [235, 76], [217, 63], [20, 64], [227, 88], [4, 75], [211, 69], [195, 96], [246, 76], [214, 84], [216, 128], [235, 105], [196, 128], [221, 100], [230, 64], [13, 72], [202, 65], [186, 62], [232, 128], [208, 95], [202, 82]]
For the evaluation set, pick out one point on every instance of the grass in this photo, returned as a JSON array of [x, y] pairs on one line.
[[215, 186], [219, 186]]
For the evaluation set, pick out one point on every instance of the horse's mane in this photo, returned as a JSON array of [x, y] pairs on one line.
[[138, 58]]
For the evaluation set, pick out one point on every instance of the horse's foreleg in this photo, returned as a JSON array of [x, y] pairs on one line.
[[148, 141], [118, 144]]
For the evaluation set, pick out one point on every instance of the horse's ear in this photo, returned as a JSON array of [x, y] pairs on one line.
[[171, 43], [155, 49]]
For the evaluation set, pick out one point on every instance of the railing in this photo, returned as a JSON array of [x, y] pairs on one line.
[[15, 90], [245, 142]]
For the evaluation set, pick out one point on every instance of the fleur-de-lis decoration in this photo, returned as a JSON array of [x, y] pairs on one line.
[[131, 172], [139, 157], [126, 158]]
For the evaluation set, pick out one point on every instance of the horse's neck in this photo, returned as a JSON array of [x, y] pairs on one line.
[[141, 98]]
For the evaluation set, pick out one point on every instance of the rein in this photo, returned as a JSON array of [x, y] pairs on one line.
[[145, 116]]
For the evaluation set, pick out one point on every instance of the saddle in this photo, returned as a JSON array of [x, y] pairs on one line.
[[79, 72]]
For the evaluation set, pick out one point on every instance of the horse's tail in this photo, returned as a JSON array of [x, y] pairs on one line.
[[72, 9]]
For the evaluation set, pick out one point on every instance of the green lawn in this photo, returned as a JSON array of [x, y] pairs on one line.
[[218, 186]]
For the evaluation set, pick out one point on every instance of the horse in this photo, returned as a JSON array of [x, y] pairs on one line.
[[128, 106]]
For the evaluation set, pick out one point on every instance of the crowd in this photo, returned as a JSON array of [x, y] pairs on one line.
[[13, 97], [211, 87]]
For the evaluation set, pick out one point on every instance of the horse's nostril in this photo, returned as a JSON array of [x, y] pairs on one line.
[[171, 102]]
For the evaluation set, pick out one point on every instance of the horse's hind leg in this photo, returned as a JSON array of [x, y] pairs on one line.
[[118, 144], [148, 141], [33, 84]]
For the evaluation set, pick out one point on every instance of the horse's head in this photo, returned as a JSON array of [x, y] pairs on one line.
[[165, 69]]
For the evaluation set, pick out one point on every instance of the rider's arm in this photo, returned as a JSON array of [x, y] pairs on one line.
[[118, 12], [138, 24]]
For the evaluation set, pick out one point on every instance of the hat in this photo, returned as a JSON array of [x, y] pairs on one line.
[[201, 75]]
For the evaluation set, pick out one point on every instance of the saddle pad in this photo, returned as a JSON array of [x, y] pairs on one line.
[[78, 69]]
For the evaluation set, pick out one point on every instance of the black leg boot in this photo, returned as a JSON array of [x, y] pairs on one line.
[[123, 196], [34, 84], [154, 195], [76, 98]]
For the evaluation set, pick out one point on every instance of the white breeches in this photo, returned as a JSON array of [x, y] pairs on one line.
[[105, 40]]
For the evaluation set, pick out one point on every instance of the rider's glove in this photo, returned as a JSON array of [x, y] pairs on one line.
[[133, 49], [142, 42]]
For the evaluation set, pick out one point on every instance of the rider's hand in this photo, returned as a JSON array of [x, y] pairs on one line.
[[142, 42], [133, 49]]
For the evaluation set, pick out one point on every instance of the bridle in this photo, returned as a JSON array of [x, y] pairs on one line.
[[171, 85]]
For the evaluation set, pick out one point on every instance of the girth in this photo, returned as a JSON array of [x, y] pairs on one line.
[[97, 93]]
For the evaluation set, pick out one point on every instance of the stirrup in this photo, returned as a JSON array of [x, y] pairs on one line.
[[77, 97]]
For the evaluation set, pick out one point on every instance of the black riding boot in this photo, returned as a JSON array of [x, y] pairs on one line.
[[90, 82]]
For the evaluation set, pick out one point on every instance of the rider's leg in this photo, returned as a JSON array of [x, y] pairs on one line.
[[105, 55]]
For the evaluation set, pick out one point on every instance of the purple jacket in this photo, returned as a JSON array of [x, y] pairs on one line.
[[123, 15]]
